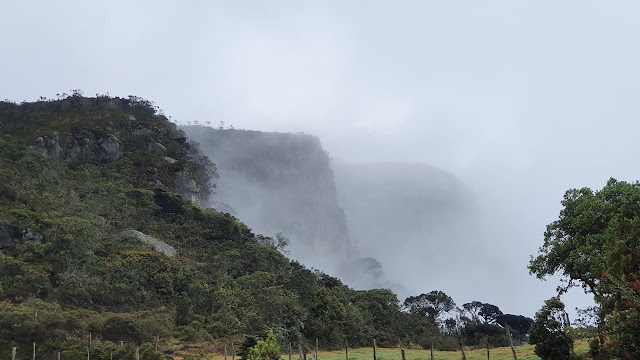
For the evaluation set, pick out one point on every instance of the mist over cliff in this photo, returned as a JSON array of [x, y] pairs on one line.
[[280, 183], [406, 215], [360, 223]]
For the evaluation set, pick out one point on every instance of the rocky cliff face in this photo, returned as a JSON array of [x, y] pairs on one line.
[[121, 132], [276, 183]]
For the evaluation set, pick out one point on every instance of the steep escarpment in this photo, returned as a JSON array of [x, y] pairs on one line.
[[280, 182]]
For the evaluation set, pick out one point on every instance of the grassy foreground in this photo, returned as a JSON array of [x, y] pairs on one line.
[[524, 352]]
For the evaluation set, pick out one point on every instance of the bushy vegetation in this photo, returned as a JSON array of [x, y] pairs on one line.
[[265, 350], [549, 332], [66, 272]]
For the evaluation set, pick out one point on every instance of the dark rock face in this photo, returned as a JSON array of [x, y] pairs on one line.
[[111, 147], [8, 234], [80, 147], [47, 147]]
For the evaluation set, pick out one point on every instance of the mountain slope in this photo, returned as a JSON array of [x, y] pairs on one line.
[[98, 234]]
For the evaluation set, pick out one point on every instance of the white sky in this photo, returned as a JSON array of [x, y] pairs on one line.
[[520, 99]]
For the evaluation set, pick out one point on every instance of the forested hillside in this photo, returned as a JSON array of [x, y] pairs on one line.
[[98, 234]]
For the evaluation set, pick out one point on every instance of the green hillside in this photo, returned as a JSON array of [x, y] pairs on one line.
[[100, 234]]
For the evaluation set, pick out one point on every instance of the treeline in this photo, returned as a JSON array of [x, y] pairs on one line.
[[78, 174]]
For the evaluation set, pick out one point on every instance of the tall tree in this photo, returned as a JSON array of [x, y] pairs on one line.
[[596, 243], [432, 304], [489, 313], [574, 245], [473, 308]]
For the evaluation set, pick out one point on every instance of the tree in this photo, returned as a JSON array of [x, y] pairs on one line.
[[473, 308], [596, 243], [489, 313], [451, 325], [280, 242], [574, 245], [432, 304], [548, 332]]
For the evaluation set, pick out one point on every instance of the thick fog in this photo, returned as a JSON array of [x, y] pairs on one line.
[[518, 101]]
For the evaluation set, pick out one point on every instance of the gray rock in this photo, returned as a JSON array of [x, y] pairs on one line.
[[157, 147], [111, 147], [47, 147], [157, 245], [132, 118], [142, 132], [81, 146], [187, 187], [170, 160], [32, 236]]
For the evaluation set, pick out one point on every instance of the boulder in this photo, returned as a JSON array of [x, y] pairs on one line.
[[33, 237], [157, 245], [111, 147], [132, 118], [170, 160], [157, 147]]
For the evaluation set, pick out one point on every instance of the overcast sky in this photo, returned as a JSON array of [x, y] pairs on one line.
[[519, 99]]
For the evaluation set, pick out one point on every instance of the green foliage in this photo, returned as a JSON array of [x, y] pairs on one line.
[[265, 350], [596, 242], [575, 244], [548, 332], [432, 304]]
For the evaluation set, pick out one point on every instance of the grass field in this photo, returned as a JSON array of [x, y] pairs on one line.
[[524, 352]]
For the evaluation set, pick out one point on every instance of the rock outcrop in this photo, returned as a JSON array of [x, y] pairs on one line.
[[157, 245], [80, 147], [187, 186], [110, 146]]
